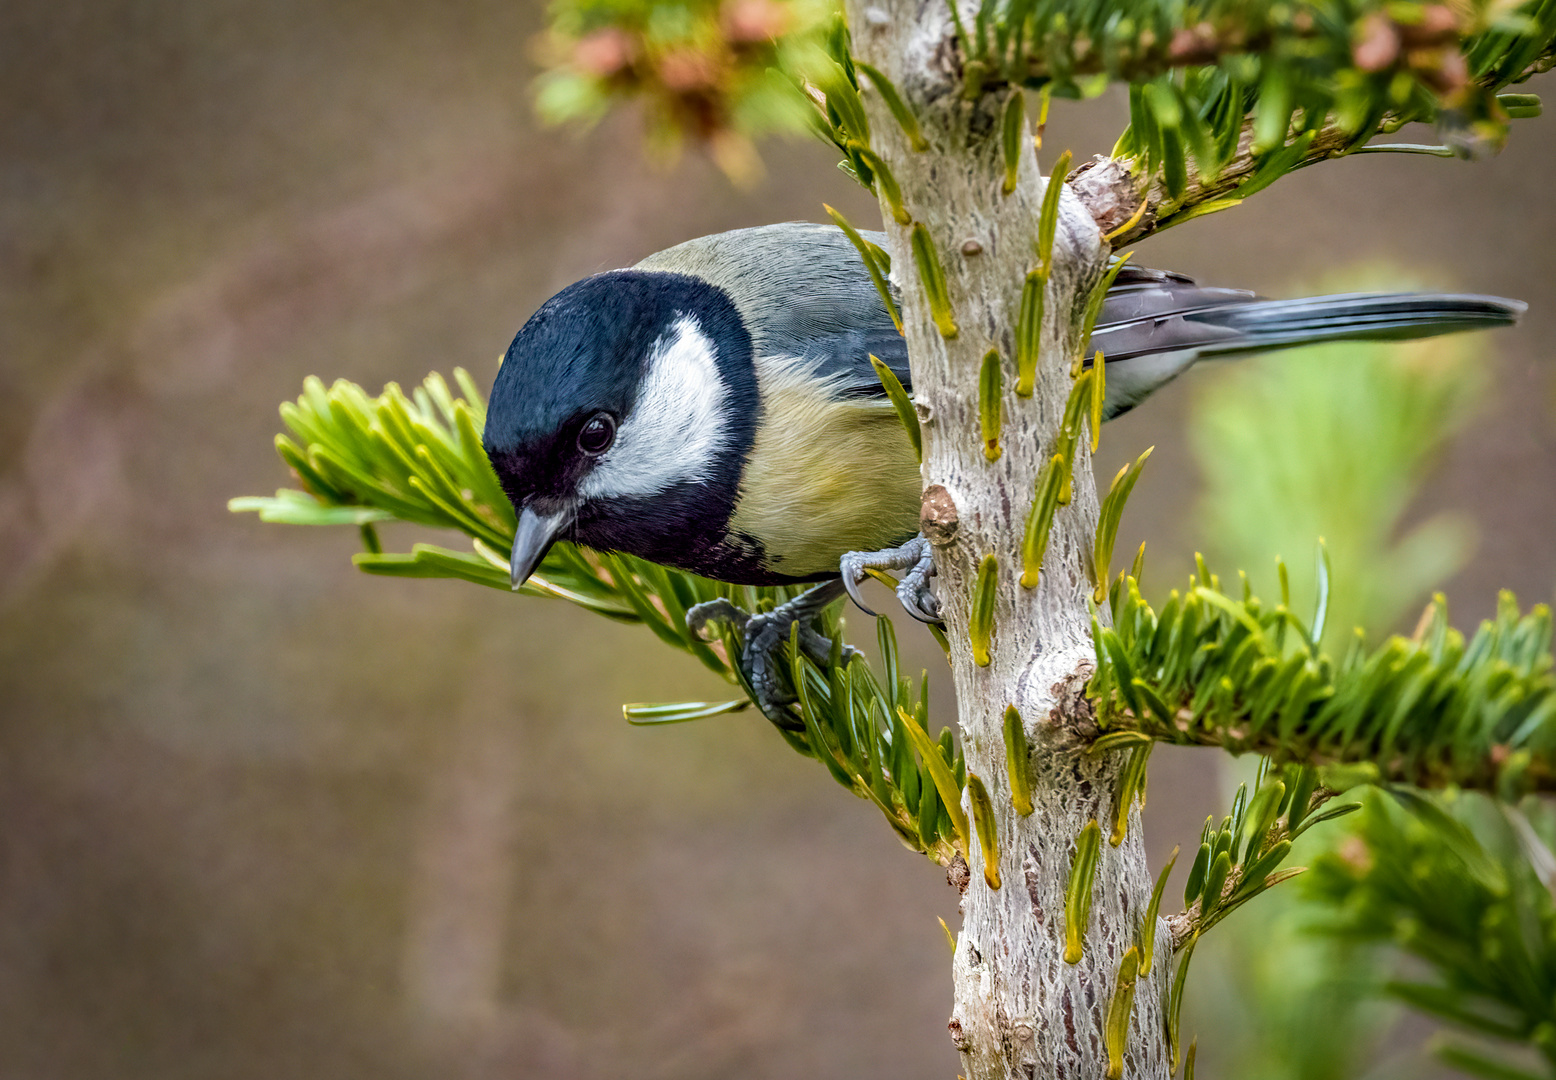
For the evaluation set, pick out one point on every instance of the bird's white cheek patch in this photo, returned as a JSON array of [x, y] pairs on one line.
[[676, 429]]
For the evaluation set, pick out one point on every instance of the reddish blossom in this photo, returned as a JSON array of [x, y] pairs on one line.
[[686, 70], [1377, 43], [755, 20], [604, 52]]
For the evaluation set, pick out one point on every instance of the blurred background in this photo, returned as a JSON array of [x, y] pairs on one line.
[[264, 816]]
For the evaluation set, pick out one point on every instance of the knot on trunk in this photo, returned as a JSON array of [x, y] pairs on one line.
[[1073, 714], [956, 873], [937, 516], [1108, 190]]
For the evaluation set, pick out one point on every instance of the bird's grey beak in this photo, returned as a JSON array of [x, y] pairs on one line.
[[535, 535]]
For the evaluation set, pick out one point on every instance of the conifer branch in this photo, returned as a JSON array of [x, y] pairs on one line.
[[1431, 710], [363, 460]]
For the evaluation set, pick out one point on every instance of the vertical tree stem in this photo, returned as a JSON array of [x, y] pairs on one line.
[[1019, 1009]]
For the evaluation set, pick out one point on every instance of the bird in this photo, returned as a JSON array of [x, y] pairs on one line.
[[714, 408]]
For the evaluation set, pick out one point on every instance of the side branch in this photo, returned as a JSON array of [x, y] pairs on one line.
[[1117, 191], [1431, 710], [1130, 197], [1260, 868]]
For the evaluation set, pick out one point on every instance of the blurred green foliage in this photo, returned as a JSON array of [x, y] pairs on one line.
[[1334, 441], [1283, 1003], [1451, 884]]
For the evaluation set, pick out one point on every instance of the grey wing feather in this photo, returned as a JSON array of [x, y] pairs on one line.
[[803, 291]]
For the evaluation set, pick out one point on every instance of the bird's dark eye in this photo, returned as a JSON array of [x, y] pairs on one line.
[[596, 436]]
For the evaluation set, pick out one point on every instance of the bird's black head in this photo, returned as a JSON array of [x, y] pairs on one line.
[[621, 417]]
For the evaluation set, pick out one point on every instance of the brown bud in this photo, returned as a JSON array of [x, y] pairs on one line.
[[1443, 69], [956, 874], [937, 515], [1191, 45], [971, 247]]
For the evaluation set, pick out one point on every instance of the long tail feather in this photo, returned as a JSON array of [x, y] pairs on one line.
[[1158, 325], [1277, 324]]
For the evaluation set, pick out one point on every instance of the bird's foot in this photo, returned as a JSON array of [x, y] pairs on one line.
[[913, 590], [763, 634]]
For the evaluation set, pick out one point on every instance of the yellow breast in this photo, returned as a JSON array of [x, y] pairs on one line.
[[826, 475]]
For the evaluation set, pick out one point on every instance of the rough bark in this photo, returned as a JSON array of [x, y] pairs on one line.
[[1020, 1010]]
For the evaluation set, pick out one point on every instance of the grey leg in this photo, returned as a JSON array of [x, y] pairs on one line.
[[762, 636], [913, 590]]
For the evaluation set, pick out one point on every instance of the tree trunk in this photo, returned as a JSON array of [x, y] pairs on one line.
[[1020, 1009]]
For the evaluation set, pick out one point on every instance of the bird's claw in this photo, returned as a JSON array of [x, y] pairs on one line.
[[763, 634], [913, 591], [699, 616], [853, 576]]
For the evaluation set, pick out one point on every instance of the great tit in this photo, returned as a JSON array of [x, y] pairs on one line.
[[714, 408]]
